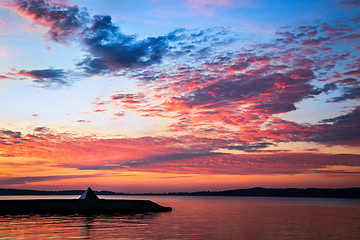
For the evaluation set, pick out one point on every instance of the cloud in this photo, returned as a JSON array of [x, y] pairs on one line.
[[46, 77], [350, 3], [341, 130], [3, 77], [41, 129], [235, 94], [22, 180], [68, 148], [253, 147], [185, 154], [353, 73], [25, 180], [107, 48], [238, 164], [282, 91], [129, 98], [350, 85], [198, 3], [63, 21], [100, 110], [111, 50], [82, 121], [344, 130], [313, 42], [209, 6], [10, 134], [119, 114], [350, 93], [143, 162], [219, 87]]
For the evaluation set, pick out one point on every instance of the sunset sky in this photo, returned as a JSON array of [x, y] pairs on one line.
[[179, 95]]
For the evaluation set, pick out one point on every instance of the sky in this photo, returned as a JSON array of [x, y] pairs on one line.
[[179, 95]]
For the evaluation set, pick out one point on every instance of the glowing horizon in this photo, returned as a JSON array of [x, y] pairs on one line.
[[165, 96]]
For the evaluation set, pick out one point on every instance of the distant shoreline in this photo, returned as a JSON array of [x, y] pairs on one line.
[[253, 192]]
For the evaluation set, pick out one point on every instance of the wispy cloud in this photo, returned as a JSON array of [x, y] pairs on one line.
[[208, 7], [173, 155], [351, 3], [46, 77], [344, 129], [24, 180]]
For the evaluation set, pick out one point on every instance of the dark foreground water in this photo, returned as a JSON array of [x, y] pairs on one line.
[[243, 218]]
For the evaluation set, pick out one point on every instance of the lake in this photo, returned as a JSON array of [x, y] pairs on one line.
[[198, 217]]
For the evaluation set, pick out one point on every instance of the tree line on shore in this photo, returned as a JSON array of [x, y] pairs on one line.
[[256, 192]]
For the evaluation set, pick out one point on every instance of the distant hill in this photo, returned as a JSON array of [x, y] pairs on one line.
[[256, 192]]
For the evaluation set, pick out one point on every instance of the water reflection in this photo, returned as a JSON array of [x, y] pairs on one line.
[[114, 226], [201, 218], [78, 226]]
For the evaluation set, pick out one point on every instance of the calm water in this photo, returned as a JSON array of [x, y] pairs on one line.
[[243, 218]]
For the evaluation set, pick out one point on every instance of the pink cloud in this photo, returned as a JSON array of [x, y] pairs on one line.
[[173, 155], [62, 20], [119, 114], [100, 110], [82, 121], [200, 3]]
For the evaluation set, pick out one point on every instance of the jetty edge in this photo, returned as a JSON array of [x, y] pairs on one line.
[[88, 203]]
